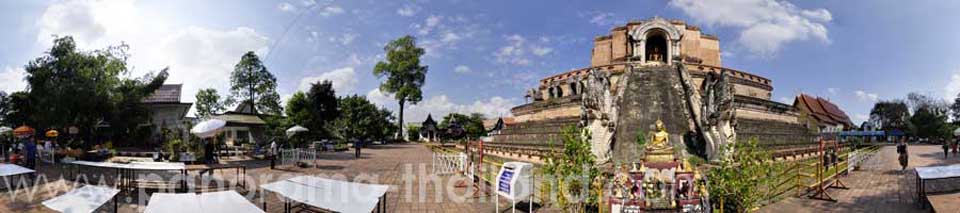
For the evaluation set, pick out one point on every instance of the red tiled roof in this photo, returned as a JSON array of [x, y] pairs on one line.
[[823, 110]]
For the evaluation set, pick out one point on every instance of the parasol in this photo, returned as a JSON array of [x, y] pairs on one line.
[[52, 133], [296, 129], [4, 129], [208, 128], [23, 132], [956, 132]]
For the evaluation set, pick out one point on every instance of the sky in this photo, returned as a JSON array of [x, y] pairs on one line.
[[483, 55]]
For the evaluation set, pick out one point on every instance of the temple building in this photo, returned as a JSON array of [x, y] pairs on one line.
[[167, 112], [244, 124], [821, 114], [660, 44]]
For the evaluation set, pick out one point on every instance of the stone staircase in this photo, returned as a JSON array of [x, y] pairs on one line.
[[534, 133], [774, 134]]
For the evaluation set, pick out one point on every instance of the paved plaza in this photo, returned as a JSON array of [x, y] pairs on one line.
[[405, 167], [879, 185]]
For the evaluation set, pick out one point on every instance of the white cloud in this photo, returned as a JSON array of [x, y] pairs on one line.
[[766, 24], [308, 3], [866, 96], [461, 69], [860, 118], [832, 91], [450, 37], [602, 19], [408, 10], [785, 100], [518, 50], [344, 80], [429, 24], [952, 88], [13, 79], [541, 51], [198, 57], [441, 105], [331, 10], [286, 7], [347, 38]]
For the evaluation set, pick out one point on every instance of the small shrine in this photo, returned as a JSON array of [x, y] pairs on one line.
[[658, 181]]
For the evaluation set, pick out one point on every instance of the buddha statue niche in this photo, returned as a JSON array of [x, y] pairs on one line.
[[659, 148], [655, 56]]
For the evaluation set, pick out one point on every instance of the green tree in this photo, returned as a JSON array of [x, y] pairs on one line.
[[472, 124], [359, 119], [893, 115], [322, 101], [4, 107], [739, 183], [18, 109], [404, 74], [250, 81], [298, 109], [70, 87], [209, 103], [929, 122], [571, 173]]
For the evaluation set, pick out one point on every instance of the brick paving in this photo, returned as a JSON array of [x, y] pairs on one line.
[[879, 186], [405, 167]]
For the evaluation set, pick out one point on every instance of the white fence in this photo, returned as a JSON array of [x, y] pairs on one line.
[[449, 163], [291, 156], [46, 155]]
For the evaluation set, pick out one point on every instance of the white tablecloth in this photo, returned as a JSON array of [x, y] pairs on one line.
[[334, 195], [225, 201], [7, 170], [84, 199], [135, 165], [935, 172]]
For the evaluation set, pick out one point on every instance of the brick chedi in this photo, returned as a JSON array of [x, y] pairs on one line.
[[556, 101]]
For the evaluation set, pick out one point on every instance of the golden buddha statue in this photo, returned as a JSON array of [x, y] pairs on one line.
[[655, 56], [659, 149], [660, 139]]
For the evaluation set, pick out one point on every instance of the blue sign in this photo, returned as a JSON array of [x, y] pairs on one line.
[[505, 178]]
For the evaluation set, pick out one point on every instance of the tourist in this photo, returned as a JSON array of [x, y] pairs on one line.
[[946, 149], [30, 149], [356, 146], [955, 144], [902, 151]]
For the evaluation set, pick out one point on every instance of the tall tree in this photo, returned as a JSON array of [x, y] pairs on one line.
[[472, 124], [929, 122], [323, 107], [4, 107], [70, 87], [404, 74], [209, 103], [893, 115], [251, 81]]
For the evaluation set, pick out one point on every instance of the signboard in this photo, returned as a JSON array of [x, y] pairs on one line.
[[514, 180]]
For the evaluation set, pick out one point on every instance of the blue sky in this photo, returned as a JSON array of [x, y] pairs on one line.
[[484, 54]]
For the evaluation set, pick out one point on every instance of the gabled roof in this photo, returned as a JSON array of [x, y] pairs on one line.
[[822, 110], [168, 93]]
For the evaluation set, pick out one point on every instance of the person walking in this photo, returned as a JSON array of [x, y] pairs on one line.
[[30, 150], [946, 149], [902, 151], [955, 144], [357, 144]]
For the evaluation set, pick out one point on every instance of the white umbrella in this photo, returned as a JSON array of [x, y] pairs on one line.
[[295, 129], [208, 128], [4, 129], [956, 132]]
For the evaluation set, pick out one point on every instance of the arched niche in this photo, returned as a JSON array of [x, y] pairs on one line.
[[660, 34]]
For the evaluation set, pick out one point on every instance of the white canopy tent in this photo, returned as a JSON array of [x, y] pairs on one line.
[[208, 128], [296, 129]]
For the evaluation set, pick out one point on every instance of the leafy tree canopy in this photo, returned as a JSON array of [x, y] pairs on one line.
[[209, 103], [403, 72], [472, 124], [70, 87], [250, 81], [893, 115], [359, 119]]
